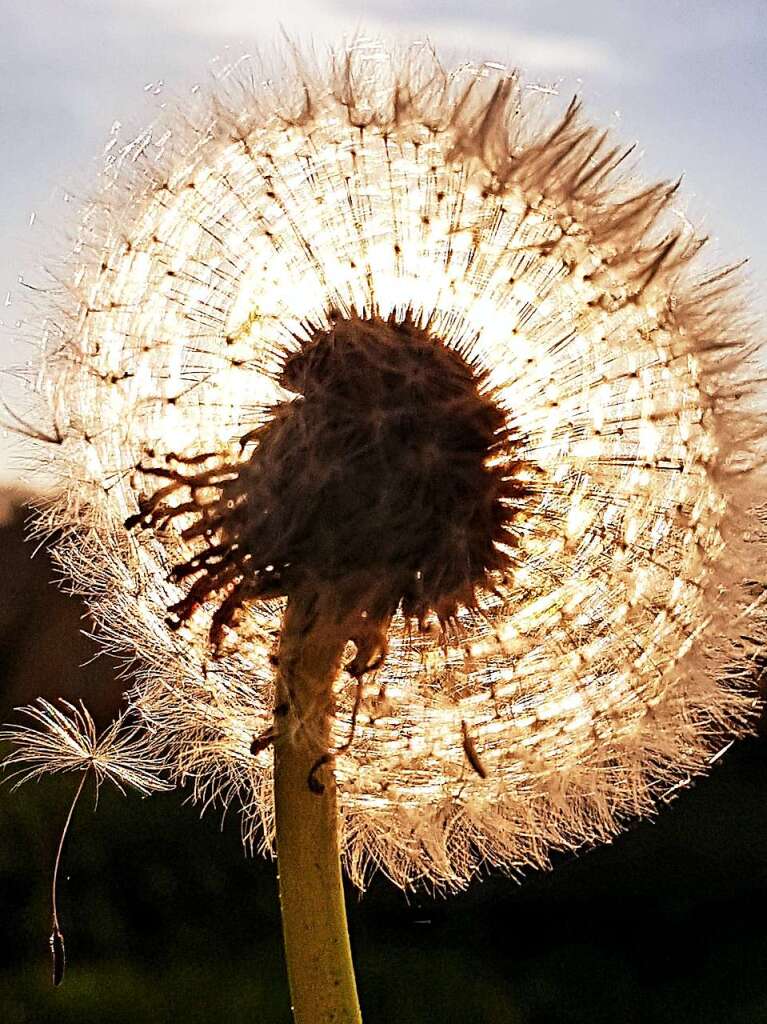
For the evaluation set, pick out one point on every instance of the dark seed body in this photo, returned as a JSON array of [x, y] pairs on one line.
[[58, 955]]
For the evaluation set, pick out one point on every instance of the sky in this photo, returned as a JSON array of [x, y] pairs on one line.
[[686, 79]]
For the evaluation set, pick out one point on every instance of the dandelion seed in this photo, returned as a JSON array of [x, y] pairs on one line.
[[64, 739], [471, 753]]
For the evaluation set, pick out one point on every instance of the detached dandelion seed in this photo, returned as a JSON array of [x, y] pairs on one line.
[[64, 739], [413, 447]]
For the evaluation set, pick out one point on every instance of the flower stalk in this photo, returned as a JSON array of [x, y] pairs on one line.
[[317, 949]]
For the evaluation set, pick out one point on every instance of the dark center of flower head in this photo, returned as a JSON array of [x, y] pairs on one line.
[[387, 476]]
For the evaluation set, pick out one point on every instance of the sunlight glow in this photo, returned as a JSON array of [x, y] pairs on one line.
[[591, 676]]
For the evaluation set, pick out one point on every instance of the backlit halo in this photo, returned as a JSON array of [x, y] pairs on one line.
[[600, 668]]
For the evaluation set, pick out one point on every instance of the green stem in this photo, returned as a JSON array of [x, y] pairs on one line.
[[317, 950]]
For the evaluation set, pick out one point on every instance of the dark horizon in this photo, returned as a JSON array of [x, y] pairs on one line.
[[166, 919]]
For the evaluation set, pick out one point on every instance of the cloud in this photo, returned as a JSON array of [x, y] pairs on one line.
[[483, 34], [529, 50]]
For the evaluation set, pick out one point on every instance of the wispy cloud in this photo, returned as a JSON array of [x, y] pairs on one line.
[[488, 33], [535, 51]]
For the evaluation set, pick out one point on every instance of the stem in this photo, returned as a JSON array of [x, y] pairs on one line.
[[57, 937], [317, 950]]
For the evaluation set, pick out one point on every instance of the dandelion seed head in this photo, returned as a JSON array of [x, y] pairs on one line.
[[418, 333]]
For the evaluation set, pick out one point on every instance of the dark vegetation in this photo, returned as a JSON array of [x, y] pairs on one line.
[[167, 920]]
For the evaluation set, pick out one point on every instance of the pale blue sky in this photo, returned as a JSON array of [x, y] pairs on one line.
[[687, 79]]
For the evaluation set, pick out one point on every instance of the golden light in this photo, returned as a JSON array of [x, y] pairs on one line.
[[607, 664]]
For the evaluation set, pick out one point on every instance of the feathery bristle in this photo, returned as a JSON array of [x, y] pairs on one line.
[[65, 739], [587, 653]]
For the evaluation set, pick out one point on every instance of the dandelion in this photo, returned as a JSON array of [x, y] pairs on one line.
[[410, 443], [64, 739]]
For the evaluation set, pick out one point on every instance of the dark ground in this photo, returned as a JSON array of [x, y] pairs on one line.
[[167, 920]]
